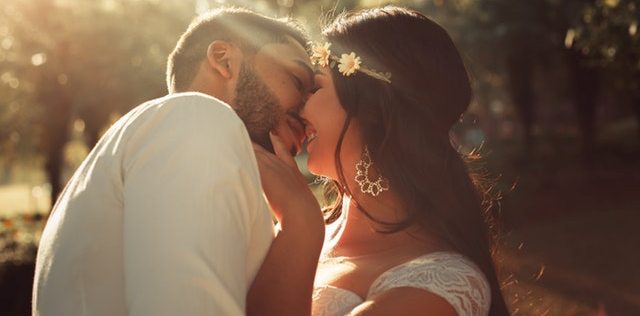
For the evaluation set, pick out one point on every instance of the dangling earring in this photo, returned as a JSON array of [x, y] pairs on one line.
[[362, 176]]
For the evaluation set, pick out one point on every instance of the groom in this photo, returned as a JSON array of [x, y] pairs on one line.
[[166, 215]]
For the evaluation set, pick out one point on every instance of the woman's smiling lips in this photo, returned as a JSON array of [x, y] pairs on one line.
[[311, 134], [311, 137]]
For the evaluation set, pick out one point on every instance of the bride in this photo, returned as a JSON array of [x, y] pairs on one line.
[[406, 234]]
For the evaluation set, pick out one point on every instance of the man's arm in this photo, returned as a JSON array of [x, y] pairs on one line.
[[189, 190]]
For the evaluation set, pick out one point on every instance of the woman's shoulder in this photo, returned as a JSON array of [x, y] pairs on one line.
[[449, 275]]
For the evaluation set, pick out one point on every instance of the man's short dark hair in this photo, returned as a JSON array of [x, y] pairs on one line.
[[245, 28]]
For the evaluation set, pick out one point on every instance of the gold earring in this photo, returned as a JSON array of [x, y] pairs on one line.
[[362, 176]]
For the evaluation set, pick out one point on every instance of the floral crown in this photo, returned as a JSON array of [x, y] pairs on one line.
[[348, 64]]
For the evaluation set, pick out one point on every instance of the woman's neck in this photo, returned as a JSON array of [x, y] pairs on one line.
[[359, 236]]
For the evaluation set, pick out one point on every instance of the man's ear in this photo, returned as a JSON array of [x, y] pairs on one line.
[[219, 57]]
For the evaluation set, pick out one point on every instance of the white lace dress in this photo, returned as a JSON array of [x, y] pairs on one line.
[[446, 274]]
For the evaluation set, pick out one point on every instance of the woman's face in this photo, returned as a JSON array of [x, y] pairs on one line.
[[325, 118]]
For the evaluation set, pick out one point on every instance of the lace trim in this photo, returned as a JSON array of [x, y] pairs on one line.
[[449, 275], [330, 301]]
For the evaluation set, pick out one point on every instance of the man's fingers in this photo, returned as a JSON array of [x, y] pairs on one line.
[[281, 150]]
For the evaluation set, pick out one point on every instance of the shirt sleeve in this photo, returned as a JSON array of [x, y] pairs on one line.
[[190, 187]]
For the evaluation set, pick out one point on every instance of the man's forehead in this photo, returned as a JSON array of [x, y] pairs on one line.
[[286, 51]]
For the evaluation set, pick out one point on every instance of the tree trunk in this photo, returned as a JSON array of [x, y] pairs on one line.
[[520, 72], [55, 96], [636, 109], [585, 84], [53, 167], [635, 99], [92, 136], [57, 133]]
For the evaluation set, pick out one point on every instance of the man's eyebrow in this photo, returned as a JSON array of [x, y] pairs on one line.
[[310, 72]]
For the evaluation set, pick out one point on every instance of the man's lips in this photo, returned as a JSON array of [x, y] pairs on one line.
[[298, 133]]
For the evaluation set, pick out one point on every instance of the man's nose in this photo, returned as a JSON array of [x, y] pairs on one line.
[[303, 109]]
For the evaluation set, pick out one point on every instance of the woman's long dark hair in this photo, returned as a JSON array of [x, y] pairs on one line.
[[406, 125]]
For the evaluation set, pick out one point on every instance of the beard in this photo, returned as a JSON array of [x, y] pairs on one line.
[[256, 106]]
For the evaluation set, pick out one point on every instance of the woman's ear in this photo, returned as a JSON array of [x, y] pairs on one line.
[[219, 57]]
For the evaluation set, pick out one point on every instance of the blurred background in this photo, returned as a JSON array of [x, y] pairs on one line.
[[556, 115]]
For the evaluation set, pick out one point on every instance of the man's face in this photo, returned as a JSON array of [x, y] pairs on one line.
[[271, 89]]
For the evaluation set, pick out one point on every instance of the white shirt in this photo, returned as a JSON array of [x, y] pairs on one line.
[[166, 216]]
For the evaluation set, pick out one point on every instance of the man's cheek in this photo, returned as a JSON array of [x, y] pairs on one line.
[[297, 130]]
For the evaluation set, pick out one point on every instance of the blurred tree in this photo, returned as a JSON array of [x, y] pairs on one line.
[[81, 59], [604, 34], [525, 37], [504, 32], [16, 117], [589, 36], [521, 24]]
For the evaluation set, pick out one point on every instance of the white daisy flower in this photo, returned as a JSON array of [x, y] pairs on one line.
[[349, 64], [321, 54]]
